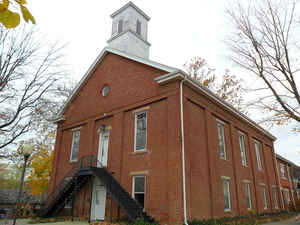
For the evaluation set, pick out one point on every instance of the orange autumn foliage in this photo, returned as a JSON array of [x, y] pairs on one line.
[[39, 177]]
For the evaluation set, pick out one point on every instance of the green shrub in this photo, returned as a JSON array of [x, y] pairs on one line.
[[143, 222], [244, 220]]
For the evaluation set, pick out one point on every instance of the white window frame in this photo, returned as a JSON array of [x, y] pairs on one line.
[[275, 197], [135, 130], [288, 173], [257, 151], [243, 149], [287, 196], [282, 169], [133, 188], [73, 142], [226, 181], [248, 195], [222, 124], [264, 196]]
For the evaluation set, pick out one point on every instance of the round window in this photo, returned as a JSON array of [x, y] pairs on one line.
[[105, 90]]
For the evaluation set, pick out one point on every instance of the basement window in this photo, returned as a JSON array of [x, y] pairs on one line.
[[139, 189], [75, 145]]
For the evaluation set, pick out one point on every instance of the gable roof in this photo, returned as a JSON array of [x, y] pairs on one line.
[[181, 75], [172, 74], [133, 6], [93, 67]]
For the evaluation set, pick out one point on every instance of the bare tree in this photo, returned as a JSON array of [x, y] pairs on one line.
[[264, 42], [30, 70], [229, 88]]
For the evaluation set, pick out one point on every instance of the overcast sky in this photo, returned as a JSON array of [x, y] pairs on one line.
[[177, 31]]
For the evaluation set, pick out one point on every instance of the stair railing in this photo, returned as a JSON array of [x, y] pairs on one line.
[[84, 162]]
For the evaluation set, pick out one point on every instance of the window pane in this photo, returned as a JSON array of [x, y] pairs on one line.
[[141, 131], [275, 198], [264, 197], [75, 145], [221, 140], [138, 27], [226, 194], [257, 155], [287, 196], [282, 169], [139, 189], [120, 26], [139, 184], [140, 199], [288, 170], [248, 196], [243, 149]]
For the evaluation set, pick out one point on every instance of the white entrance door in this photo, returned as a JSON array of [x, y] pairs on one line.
[[98, 201], [103, 148]]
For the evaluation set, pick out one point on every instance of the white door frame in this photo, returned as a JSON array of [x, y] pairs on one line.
[[98, 200], [103, 148]]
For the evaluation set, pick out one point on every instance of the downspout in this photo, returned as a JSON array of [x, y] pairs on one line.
[[182, 149]]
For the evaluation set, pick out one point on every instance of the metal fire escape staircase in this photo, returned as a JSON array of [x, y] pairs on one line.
[[79, 175]]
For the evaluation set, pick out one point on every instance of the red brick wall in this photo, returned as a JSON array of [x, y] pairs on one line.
[[132, 86], [286, 183], [205, 168]]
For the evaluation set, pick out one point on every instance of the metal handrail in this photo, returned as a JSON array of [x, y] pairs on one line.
[[84, 162]]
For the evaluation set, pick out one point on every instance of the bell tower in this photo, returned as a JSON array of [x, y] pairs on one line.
[[129, 31]]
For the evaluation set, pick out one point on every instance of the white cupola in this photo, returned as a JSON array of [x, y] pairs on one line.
[[129, 31]]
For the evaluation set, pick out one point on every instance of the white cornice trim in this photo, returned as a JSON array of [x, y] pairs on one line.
[[179, 74], [133, 6], [130, 31]]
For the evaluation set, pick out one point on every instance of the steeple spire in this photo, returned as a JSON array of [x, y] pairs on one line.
[[129, 31]]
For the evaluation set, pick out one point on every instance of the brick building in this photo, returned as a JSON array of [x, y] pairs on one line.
[[296, 179], [137, 129], [288, 173]]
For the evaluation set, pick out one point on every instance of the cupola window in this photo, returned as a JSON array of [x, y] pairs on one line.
[[138, 27], [120, 26]]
